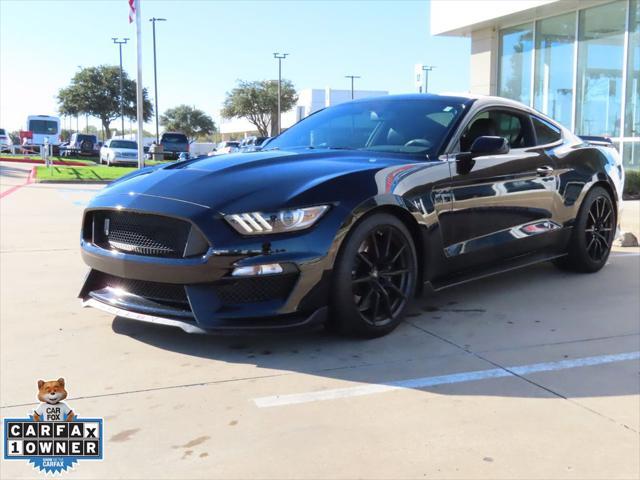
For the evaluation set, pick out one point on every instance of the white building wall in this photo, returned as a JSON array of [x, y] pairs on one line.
[[484, 61], [455, 17]]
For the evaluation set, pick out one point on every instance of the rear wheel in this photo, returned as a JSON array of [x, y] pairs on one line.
[[374, 278], [592, 234]]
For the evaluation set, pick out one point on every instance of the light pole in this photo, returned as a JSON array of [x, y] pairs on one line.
[[280, 57], [121, 42], [352, 77], [155, 71], [426, 69]]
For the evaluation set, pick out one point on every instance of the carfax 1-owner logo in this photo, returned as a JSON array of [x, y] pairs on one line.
[[53, 437]]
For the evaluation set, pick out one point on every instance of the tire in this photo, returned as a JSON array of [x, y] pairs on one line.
[[592, 235], [86, 146], [374, 278]]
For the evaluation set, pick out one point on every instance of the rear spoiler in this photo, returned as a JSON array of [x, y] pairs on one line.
[[595, 140]]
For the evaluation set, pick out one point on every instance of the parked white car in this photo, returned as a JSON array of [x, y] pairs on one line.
[[116, 151], [225, 147], [6, 144]]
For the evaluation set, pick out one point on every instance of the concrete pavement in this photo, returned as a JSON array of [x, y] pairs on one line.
[[181, 406]]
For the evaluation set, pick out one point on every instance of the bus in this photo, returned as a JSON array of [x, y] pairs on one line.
[[44, 126]]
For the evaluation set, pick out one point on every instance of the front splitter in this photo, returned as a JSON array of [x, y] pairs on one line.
[[316, 318]]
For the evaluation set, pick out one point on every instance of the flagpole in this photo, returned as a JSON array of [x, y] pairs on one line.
[[140, 105]]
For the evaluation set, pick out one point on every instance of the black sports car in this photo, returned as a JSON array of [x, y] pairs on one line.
[[345, 216]]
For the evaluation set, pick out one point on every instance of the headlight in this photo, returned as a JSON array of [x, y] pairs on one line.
[[259, 223]]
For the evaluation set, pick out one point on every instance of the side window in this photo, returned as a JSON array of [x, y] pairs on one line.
[[500, 123], [510, 127], [545, 132]]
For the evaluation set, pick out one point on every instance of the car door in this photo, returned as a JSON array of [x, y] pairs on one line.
[[502, 206]]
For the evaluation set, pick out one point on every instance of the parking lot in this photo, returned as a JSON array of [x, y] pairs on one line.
[[535, 373]]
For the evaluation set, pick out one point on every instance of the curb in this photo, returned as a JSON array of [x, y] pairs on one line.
[[59, 163], [74, 182]]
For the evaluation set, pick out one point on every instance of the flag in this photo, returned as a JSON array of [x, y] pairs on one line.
[[132, 10]]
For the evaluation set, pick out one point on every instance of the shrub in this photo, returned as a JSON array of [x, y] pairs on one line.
[[632, 184]]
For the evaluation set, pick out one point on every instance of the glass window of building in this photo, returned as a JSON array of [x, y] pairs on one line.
[[631, 155], [632, 104], [553, 83], [600, 61], [515, 63]]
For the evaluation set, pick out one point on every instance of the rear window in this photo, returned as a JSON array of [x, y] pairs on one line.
[[545, 132], [46, 127], [174, 138], [124, 144], [3, 131], [91, 138]]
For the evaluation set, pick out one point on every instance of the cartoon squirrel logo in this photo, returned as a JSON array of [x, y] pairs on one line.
[[52, 408]]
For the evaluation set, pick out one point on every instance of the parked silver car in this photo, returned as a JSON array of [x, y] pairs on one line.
[[6, 144], [116, 151]]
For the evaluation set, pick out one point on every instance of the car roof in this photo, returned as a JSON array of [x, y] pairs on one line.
[[478, 101]]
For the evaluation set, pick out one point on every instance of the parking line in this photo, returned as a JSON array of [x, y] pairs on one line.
[[307, 397], [29, 180]]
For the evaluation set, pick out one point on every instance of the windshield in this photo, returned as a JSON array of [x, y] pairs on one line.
[[47, 127], [124, 144], [411, 126], [174, 138]]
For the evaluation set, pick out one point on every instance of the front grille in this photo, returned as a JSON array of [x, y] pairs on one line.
[[160, 292], [146, 234], [255, 289]]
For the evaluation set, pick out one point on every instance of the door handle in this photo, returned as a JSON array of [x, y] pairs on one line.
[[544, 171]]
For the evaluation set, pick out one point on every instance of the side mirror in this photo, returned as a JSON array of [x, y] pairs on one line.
[[481, 146], [489, 146]]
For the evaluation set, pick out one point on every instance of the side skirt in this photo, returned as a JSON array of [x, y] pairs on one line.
[[506, 266]]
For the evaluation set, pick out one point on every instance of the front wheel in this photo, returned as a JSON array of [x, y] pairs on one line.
[[592, 235], [374, 278]]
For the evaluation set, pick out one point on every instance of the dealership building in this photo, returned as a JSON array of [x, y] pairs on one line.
[[577, 61]]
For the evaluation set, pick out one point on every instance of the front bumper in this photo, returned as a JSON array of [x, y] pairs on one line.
[[124, 160], [206, 298]]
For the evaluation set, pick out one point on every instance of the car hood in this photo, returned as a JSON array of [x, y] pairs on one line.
[[260, 180]]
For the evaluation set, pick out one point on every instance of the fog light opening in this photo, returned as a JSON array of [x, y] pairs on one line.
[[266, 269]]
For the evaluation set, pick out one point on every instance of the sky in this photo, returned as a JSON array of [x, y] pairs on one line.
[[206, 46]]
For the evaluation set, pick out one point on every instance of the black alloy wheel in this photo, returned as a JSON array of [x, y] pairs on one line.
[[375, 277], [381, 278], [593, 234], [599, 228]]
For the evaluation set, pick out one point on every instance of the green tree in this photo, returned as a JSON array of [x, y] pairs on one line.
[[258, 102], [65, 134], [95, 91], [188, 120]]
